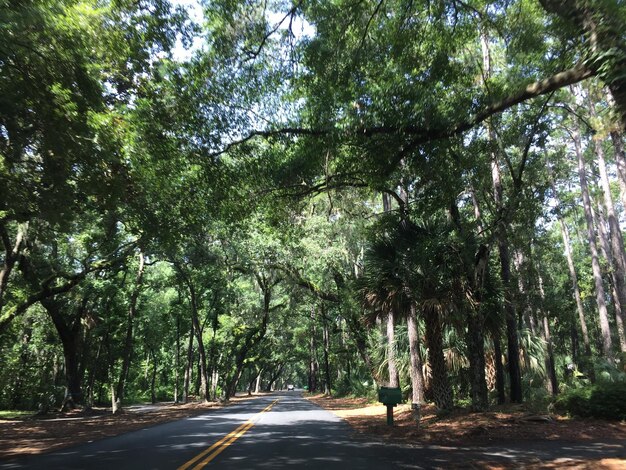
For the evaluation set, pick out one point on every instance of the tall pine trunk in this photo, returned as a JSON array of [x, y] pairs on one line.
[[607, 254], [572, 268], [513, 350], [603, 316], [515, 375], [618, 255], [620, 157]]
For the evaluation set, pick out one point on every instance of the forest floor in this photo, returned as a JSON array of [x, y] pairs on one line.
[[38, 434], [462, 427]]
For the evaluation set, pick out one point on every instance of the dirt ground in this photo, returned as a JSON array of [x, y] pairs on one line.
[[38, 434], [35, 435], [462, 427]]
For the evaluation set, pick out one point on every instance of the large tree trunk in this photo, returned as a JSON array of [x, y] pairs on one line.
[[526, 317], [392, 367], [442, 392], [476, 351], [197, 329], [417, 377], [607, 345], [204, 380], [497, 351], [215, 378], [70, 336], [128, 343]]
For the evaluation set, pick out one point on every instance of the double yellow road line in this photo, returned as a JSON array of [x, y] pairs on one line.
[[224, 442]]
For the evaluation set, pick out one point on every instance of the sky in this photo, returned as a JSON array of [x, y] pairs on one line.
[[194, 9], [299, 27]]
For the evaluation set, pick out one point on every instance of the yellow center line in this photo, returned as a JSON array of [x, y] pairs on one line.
[[224, 442]]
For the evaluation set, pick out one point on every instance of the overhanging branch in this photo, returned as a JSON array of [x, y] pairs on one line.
[[422, 135], [300, 281]]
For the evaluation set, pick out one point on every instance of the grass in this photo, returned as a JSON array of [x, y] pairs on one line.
[[14, 414]]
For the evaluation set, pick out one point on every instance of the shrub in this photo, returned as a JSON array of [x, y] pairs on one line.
[[604, 400], [353, 387], [574, 402]]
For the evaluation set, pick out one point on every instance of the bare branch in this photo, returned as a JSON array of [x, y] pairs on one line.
[[369, 22], [254, 54]]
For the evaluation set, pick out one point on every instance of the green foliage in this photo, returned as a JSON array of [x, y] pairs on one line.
[[14, 414], [604, 400], [30, 372], [354, 387], [250, 177]]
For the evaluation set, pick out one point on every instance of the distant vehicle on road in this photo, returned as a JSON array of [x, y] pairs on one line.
[[290, 388]]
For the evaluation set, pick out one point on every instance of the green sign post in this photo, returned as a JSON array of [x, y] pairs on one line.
[[390, 397]]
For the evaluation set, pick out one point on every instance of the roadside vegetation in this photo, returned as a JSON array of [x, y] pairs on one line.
[[341, 195]]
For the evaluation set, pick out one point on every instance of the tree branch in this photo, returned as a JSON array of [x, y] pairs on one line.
[[254, 54], [422, 135], [45, 288], [297, 278]]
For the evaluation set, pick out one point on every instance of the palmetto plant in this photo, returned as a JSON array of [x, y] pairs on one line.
[[408, 263]]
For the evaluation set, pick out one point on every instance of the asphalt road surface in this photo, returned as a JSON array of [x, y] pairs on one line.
[[284, 430]]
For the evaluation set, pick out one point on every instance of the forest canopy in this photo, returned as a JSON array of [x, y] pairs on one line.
[[199, 199]]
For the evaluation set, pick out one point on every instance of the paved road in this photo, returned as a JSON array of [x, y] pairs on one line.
[[281, 431]]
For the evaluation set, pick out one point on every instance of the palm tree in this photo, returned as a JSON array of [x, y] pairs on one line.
[[406, 265], [385, 295]]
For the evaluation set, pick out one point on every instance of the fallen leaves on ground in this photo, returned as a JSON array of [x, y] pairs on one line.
[[38, 434], [463, 427]]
